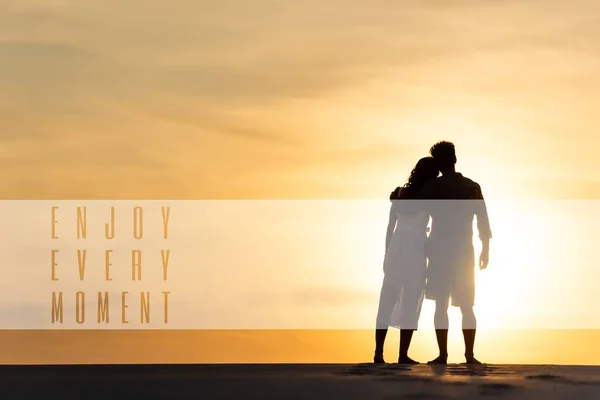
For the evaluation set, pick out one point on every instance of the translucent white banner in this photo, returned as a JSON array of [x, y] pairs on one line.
[[171, 264]]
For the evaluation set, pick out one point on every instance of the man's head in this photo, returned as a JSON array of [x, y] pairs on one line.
[[445, 155]]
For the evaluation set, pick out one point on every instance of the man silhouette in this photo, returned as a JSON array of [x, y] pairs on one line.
[[450, 252]]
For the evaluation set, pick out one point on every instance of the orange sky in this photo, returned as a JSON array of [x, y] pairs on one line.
[[287, 346], [307, 99], [197, 99]]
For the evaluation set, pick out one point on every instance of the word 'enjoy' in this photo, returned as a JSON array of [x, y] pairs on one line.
[[109, 227]]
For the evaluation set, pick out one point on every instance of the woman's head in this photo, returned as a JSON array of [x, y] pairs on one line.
[[425, 170]]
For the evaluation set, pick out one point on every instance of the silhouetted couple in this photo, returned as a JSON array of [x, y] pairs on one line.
[[440, 266]]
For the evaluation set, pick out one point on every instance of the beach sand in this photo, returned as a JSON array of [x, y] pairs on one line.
[[298, 381]]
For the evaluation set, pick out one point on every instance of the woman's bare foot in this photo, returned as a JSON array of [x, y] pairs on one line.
[[378, 359], [407, 360], [441, 360]]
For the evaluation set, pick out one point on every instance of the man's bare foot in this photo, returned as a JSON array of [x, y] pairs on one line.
[[441, 360], [473, 361], [407, 360], [378, 359]]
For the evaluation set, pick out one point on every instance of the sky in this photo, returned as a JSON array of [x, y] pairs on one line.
[[267, 274], [336, 99], [279, 99]]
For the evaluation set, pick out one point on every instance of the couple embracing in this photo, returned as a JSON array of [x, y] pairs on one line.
[[438, 266]]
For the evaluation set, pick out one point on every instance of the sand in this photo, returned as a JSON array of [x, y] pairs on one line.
[[299, 381]]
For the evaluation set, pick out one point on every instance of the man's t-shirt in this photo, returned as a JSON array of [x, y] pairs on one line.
[[452, 217]]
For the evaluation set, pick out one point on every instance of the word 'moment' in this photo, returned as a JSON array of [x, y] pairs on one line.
[[103, 307], [103, 298]]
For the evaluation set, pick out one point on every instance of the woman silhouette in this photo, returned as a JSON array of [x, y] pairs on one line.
[[405, 264]]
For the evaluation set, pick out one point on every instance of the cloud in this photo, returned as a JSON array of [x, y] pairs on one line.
[[186, 88], [43, 76], [214, 122]]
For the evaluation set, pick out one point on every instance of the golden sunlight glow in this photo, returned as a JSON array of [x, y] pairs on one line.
[[239, 100]]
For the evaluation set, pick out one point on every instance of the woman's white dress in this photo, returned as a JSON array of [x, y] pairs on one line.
[[405, 266]]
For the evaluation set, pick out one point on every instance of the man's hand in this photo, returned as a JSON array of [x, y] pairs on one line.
[[484, 258]]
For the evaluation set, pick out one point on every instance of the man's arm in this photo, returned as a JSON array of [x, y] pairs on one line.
[[483, 226]]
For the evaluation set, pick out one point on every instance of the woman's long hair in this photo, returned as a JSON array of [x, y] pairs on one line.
[[425, 170]]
